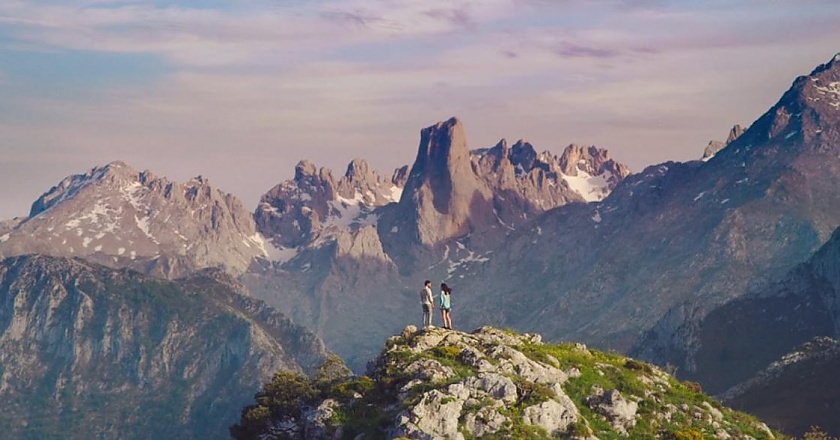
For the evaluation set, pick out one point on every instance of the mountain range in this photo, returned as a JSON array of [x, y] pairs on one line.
[[667, 264]]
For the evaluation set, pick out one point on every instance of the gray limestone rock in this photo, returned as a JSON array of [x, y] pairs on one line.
[[429, 370], [553, 416], [486, 420], [434, 417], [495, 385], [620, 412], [316, 421]]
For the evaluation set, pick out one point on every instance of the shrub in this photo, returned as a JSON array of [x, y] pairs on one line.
[[281, 398], [632, 364], [333, 369], [346, 390], [532, 393], [688, 434], [446, 351], [816, 433], [286, 393], [693, 386], [581, 429]]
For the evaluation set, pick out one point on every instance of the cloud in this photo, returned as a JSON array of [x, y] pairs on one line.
[[570, 50], [458, 17], [353, 18]]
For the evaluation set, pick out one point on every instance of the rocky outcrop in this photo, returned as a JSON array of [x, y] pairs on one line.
[[620, 412], [442, 384], [91, 352], [715, 146], [120, 217], [443, 197]]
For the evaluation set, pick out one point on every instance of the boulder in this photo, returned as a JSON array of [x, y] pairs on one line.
[[553, 416], [620, 412]]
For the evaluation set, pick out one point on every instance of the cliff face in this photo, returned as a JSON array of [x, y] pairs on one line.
[[436, 384], [443, 197], [90, 352]]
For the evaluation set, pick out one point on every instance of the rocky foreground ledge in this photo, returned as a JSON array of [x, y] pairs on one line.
[[491, 383]]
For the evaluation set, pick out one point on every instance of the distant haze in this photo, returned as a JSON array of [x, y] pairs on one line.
[[240, 91]]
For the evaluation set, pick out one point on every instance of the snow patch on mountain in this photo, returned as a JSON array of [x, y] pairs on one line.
[[395, 194], [143, 225], [591, 188], [344, 212]]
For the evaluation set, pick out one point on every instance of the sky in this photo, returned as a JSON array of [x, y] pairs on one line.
[[240, 91]]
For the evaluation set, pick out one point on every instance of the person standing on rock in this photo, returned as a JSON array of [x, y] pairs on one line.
[[445, 306], [427, 300]]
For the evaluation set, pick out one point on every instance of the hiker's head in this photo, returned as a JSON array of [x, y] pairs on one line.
[[428, 283], [445, 288]]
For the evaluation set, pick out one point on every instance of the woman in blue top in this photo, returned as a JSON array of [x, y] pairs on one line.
[[445, 306]]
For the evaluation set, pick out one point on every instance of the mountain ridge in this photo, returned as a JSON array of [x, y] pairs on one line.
[[87, 351], [120, 217]]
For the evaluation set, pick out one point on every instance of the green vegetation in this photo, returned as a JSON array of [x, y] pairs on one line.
[[531, 393], [281, 398], [656, 394], [448, 352]]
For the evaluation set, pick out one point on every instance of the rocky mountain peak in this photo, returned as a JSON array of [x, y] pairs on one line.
[[714, 146], [443, 150], [588, 159], [807, 115], [523, 156], [117, 216], [445, 197], [305, 168], [116, 172], [734, 133], [358, 169], [400, 176]]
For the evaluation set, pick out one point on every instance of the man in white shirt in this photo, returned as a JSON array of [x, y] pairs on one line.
[[427, 300]]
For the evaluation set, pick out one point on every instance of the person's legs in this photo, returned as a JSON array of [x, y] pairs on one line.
[[427, 315], [448, 319]]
